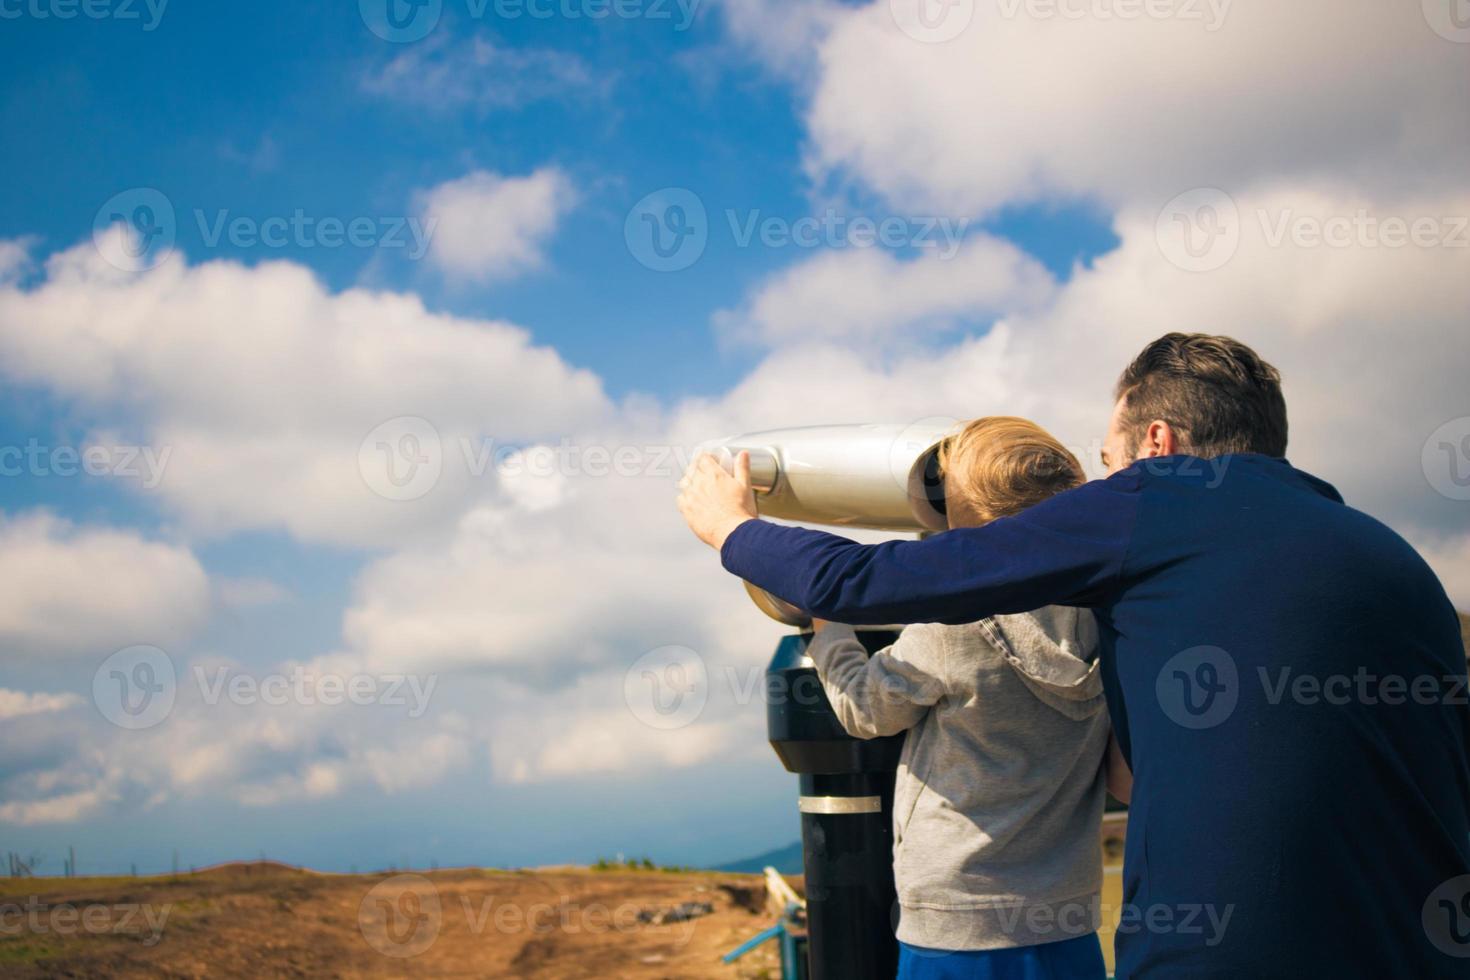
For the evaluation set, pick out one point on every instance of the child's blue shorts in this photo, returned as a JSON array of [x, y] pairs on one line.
[[1070, 959]]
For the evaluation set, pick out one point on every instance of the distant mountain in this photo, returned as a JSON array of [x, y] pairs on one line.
[[786, 860]]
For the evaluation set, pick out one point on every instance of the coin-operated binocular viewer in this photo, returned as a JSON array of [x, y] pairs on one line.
[[883, 477]]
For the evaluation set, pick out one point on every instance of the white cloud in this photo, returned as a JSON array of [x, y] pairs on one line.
[[444, 74], [61, 808], [487, 226], [783, 36], [15, 259], [248, 593], [63, 766], [19, 704], [609, 742], [262, 386], [1029, 108], [81, 591], [867, 293]]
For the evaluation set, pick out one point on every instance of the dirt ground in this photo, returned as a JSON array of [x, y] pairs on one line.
[[267, 920]]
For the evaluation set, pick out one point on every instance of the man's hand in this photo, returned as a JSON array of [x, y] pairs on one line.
[[713, 502]]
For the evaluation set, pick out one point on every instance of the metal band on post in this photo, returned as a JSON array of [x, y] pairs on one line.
[[840, 804]]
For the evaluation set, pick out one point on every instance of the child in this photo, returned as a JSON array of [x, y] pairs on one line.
[[1000, 787]]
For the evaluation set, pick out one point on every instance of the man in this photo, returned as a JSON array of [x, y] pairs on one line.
[[1284, 674]]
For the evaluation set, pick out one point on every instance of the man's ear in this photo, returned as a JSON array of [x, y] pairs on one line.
[[1158, 440]]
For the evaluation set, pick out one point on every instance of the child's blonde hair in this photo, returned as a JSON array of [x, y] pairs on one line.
[[1001, 464]]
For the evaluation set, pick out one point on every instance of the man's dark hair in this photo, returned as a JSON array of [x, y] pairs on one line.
[[1217, 394]]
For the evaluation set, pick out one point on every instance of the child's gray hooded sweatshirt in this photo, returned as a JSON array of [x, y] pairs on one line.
[[1000, 787]]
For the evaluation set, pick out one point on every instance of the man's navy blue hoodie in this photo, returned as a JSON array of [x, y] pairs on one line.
[[1285, 676]]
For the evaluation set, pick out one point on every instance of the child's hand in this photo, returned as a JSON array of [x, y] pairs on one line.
[[817, 624]]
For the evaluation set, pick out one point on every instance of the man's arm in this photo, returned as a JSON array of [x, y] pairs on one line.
[[1068, 550]]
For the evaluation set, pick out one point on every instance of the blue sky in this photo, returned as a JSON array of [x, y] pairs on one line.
[[530, 142]]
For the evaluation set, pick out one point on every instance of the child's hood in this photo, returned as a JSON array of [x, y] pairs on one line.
[[1054, 650]]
